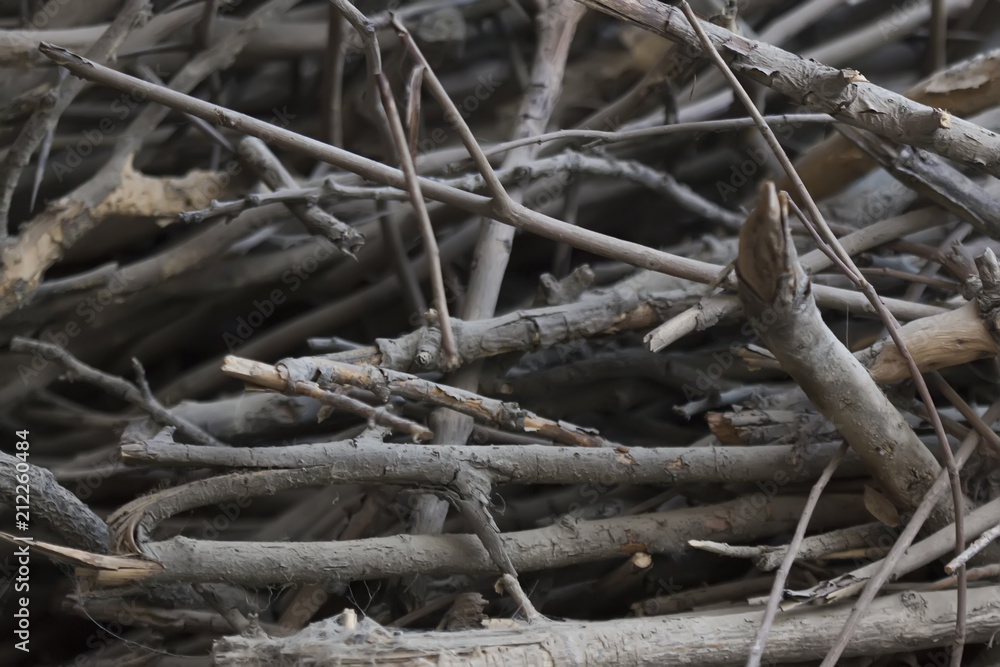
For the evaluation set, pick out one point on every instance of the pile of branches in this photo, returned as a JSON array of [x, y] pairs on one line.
[[481, 332]]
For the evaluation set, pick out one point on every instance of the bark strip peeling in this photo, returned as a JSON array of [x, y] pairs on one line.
[[845, 94]]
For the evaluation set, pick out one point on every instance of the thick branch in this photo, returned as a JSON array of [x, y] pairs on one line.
[[844, 94]]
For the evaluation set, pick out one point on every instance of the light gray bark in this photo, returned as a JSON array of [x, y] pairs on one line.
[[895, 623]]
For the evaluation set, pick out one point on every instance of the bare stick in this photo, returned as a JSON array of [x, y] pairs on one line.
[[852, 271], [903, 542], [769, 137], [117, 386], [757, 650], [451, 359]]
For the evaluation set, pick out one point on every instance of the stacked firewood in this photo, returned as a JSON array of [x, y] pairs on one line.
[[480, 332]]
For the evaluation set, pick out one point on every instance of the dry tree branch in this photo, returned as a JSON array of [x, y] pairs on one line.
[[520, 216], [363, 460], [772, 283], [69, 517], [43, 121], [291, 374], [964, 89], [567, 542], [844, 94], [47, 237], [900, 623], [117, 386]]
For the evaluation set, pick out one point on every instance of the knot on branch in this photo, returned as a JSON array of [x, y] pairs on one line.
[[416, 352], [834, 90], [297, 370]]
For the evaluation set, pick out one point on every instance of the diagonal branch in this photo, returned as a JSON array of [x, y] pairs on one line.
[[844, 94]]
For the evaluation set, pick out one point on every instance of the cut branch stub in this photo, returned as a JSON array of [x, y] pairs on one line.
[[936, 342], [776, 296], [761, 261]]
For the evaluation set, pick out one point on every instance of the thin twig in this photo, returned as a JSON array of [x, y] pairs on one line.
[[959, 561], [117, 386], [770, 138], [852, 272], [757, 649], [501, 200], [602, 136], [958, 498], [451, 358]]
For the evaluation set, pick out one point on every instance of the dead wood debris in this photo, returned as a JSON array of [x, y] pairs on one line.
[[498, 324]]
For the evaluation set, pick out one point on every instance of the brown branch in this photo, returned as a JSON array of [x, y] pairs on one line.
[[63, 222], [567, 542], [844, 94], [519, 216], [773, 284]]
